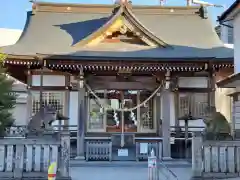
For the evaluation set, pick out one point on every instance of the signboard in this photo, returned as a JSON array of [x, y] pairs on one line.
[[122, 152], [143, 148], [152, 163]]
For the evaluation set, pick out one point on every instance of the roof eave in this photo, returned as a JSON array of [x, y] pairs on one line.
[[21, 57], [232, 11], [106, 58], [230, 81]]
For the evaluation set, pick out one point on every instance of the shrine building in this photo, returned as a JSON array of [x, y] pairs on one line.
[[123, 73]]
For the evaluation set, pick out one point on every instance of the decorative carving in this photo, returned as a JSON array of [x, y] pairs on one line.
[[123, 29], [121, 26], [43, 120]]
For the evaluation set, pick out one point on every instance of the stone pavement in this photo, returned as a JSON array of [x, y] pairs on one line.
[[125, 171], [128, 171]]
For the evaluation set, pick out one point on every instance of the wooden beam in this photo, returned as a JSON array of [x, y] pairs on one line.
[[48, 88], [194, 90]]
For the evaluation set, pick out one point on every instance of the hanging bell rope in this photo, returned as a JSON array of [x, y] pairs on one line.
[[121, 109]]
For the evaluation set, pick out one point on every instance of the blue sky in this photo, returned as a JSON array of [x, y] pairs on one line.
[[13, 12]]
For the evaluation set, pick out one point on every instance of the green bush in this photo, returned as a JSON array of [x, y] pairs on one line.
[[7, 99]]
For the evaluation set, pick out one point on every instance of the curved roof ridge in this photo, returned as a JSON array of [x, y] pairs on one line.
[[140, 6], [44, 3], [104, 8], [114, 17], [28, 19]]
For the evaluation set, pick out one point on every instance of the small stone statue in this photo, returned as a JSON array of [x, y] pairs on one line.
[[43, 120], [217, 126]]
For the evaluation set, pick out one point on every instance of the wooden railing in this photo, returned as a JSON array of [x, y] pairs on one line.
[[215, 159], [99, 150], [30, 158]]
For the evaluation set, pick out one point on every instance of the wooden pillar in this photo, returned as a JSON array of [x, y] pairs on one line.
[[138, 112], [165, 114], [81, 116], [176, 103], [105, 113], [41, 103], [212, 88], [66, 101], [29, 95], [41, 86], [158, 114]]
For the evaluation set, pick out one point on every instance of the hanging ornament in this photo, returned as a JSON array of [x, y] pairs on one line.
[[122, 104], [133, 117], [115, 118], [145, 105]]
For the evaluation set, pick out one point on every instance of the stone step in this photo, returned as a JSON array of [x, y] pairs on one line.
[[170, 164]]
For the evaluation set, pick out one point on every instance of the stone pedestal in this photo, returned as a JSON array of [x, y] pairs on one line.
[[197, 155], [235, 124], [65, 154]]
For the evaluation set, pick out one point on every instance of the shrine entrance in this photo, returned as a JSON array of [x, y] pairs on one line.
[[125, 126], [125, 115]]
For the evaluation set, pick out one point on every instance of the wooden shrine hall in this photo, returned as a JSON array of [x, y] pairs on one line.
[[122, 73]]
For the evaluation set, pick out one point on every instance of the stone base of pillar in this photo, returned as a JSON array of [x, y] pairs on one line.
[[80, 158]]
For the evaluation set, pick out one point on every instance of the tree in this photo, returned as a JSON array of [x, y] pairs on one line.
[[7, 99]]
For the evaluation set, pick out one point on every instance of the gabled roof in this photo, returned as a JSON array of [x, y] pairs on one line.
[[123, 13], [56, 29], [230, 12]]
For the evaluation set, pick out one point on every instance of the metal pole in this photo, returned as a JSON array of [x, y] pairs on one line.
[[122, 121]]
